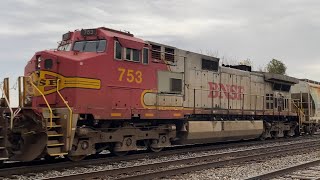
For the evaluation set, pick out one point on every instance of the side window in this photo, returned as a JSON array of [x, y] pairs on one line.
[[135, 55], [132, 54], [176, 85], [145, 56], [128, 54], [118, 50], [269, 101]]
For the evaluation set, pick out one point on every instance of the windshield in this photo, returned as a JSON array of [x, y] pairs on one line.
[[64, 47], [90, 46]]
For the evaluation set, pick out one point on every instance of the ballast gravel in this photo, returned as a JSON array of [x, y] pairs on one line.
[[238, 172], [234, 172]]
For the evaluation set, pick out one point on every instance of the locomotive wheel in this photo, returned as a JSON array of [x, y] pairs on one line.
[[152, 149], [76, 158], [117, 153], [155, 149]]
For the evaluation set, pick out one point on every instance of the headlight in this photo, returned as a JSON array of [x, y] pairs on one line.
[[38, 62]]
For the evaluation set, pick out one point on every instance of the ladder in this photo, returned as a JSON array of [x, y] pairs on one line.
[[300, 112], [3, 136], [4, 119], [56, 134]]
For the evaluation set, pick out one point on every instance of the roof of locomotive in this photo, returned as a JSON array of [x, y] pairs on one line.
[[268, 76], [120, 34], [310, 81]]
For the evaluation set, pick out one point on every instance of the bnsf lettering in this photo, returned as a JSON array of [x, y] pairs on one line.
[[42, 82], [218, 90], [48, 82]]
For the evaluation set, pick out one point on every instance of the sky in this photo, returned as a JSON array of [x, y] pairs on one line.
[[232, 30]]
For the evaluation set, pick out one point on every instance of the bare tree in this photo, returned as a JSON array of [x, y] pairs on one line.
[[246, 62]]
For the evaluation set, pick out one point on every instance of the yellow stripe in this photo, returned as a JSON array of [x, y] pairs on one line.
[[176, 114], [58, 154], [54, 135], [116, 114], [58, 144], [149, 114], [158, 107], [65, 82]]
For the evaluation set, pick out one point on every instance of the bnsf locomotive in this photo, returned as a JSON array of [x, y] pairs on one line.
[[103, 89]]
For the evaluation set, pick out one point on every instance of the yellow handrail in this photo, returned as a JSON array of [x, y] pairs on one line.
[[70, 112], [44, 98], [298, 108], [301, 112]]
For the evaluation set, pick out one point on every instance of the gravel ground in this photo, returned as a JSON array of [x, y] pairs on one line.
[[311, 173], [223, 173], [250, 170]]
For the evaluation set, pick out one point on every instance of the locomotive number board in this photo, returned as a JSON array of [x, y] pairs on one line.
[[88, 32]]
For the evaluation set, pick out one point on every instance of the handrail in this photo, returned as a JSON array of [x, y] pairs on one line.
[[70, 112], [301, 112], [11, 111], [44, 98], [298, 108]]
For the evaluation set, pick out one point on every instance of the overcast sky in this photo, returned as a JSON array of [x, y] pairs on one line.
[[258, 30]]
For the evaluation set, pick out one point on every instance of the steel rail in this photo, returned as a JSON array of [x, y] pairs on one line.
[[198, 167], [194, 163], [40, 166], [284, 171]]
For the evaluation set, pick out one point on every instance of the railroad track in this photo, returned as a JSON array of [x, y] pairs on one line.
[[58, 165], [181, 166], [309, 170]]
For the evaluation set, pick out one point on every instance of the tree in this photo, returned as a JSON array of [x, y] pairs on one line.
[[276, 66]]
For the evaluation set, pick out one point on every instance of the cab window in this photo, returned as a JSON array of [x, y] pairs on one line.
[[64, 47], [90, 46]]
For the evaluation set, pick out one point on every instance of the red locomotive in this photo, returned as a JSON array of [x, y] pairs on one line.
[[103, 89]]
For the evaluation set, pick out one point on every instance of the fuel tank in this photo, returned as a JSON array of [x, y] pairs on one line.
[[217, 131]]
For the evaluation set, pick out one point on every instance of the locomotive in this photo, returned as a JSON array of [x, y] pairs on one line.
[[104, 89]]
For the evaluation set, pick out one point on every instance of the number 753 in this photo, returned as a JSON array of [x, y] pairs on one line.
[[130, 75]]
